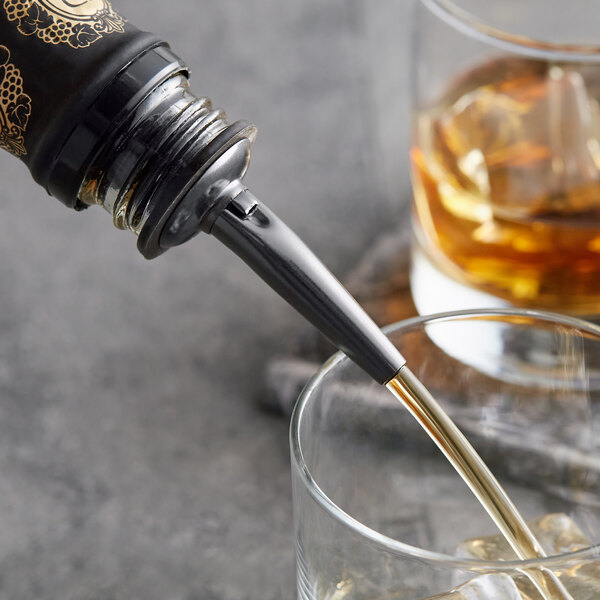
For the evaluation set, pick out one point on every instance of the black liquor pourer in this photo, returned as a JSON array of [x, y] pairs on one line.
[[102, 113]]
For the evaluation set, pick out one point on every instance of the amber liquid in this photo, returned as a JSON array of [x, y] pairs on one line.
[[469, 465], [506, 177]]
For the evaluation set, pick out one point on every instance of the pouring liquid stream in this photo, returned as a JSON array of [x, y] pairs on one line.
[[282, 260], [475, 473]]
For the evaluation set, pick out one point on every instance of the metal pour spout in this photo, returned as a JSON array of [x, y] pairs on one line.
[[249, 228], [219, 203]]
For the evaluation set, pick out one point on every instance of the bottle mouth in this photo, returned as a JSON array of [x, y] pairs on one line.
[[80, 155], [154, 170], [528, 28]]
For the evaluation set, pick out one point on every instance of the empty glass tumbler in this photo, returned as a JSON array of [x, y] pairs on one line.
[[379, 512]]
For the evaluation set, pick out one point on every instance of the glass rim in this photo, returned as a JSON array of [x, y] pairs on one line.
[[467, 23], [385, 542]]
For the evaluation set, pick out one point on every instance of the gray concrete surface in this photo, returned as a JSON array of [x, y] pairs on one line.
[[135, 460]]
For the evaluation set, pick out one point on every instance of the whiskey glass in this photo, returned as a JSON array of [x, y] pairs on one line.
[[505, 155], [380, 514]]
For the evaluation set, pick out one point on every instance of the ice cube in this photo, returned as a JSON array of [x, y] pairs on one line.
[[486, 587], [527, 139], [558, 534], [343, 589]]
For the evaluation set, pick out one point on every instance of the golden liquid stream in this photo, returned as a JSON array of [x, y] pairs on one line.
[[475, 473]]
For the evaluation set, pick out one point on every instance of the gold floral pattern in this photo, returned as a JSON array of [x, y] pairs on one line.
[[78, 23], [15, 106]]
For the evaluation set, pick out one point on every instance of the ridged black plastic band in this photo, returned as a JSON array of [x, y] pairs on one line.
[[128, 88]]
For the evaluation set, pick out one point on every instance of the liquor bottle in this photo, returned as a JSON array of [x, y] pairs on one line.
[[102, 114]]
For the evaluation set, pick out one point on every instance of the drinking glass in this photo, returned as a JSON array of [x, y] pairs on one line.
[[505, 155], [380, 514]]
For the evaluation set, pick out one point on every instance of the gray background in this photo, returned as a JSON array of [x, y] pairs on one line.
[[135, 460]]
